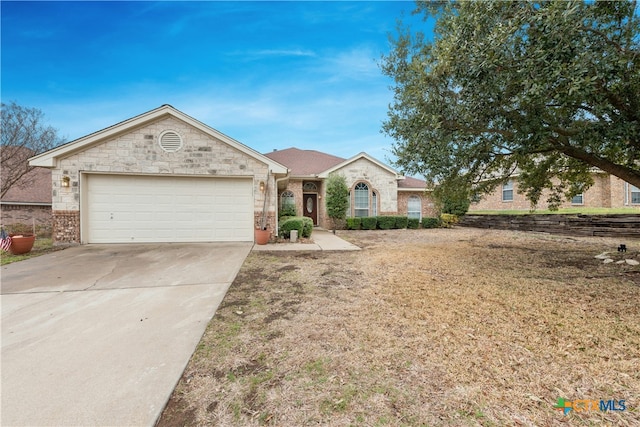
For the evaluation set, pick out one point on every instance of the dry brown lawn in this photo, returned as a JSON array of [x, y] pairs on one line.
[[422, 327]]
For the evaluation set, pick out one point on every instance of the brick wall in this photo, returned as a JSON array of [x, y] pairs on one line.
[[606, 192], [26, 214], [428, 207]]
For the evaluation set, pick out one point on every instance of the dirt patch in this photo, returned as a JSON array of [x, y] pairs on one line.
[[423, 327]]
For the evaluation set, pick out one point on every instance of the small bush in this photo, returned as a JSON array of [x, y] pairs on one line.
[[353, 223], [307, 226], [386, 222], [284, 218], [368, 222], [413, 223], [429, 222], [402, 222], [287, 211], [295, 223], [449, 220]]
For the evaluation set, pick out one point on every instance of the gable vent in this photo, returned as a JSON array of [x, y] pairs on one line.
[[170, 141]]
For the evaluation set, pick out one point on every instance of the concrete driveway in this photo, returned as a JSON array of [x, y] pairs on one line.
[[99, 335]]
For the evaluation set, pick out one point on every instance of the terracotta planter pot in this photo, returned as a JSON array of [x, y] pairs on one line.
[[21, 243], [262, 236]]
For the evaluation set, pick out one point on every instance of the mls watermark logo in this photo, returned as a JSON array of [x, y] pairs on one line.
[[584, 405]]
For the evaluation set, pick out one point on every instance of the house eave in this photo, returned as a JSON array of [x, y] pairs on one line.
[[423, 189], [49, 158], [358, 156]]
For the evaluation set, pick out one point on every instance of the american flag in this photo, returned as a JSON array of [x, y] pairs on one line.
[[5, 240]]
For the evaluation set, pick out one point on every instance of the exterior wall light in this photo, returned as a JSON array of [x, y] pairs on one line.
[[262, 186], [65, 181]]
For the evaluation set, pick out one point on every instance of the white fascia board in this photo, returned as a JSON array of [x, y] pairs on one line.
[[414, 189], [362, 155]]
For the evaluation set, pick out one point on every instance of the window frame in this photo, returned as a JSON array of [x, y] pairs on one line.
[[634, 193], [419, 211], [286, 195], [360, 203], [507, 188]]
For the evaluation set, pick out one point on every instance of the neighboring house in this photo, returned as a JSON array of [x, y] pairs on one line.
[[28, 201], [607, 191], [374, 188], [163, 176]]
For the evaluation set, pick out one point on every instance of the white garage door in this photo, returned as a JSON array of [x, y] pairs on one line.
[[138, 209]]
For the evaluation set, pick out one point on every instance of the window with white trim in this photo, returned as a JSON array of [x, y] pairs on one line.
[[414, 207], [507, 191], [361, 200], [287, 199], [635, 195], [578, 199]]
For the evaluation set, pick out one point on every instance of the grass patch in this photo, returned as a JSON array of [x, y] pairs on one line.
[[436, 327], [40, 247]]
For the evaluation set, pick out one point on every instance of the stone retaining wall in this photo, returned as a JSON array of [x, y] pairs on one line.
[[578, 225]]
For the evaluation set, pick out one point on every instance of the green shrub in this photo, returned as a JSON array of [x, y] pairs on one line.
[[284, 218], [448, 220], [368, 222], [287, 211], [307, 226], [413, 223], [429, 222], [353, 223], [386, 222], [295, 223], [402, 222]]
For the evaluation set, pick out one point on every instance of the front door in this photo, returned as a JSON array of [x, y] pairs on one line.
[[310, 207]]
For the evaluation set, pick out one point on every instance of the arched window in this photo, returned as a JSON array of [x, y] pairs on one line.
[[414, 207], [361, 200], [287, 199], [310, 186]]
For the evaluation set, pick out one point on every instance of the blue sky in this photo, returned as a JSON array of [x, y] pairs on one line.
[[270, 74]]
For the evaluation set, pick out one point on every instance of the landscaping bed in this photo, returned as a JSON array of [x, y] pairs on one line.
[[422, 327]]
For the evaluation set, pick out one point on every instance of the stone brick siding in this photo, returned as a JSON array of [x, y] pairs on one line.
[[26, 214], [138, 152], [378, 179], [66, 227]]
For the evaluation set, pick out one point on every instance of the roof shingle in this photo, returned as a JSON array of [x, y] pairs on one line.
[[304, 162]]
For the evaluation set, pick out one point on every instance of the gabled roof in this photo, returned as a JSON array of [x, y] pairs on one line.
[[359, 156], [34, 188], [48, 159], [304, 162]]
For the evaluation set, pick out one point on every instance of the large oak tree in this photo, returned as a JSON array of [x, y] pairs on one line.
[[547, 90]]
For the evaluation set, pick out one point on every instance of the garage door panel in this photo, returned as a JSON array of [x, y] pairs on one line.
[[167, 209]]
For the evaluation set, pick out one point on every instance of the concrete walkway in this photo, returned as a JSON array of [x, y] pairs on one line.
[[323, 240]]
